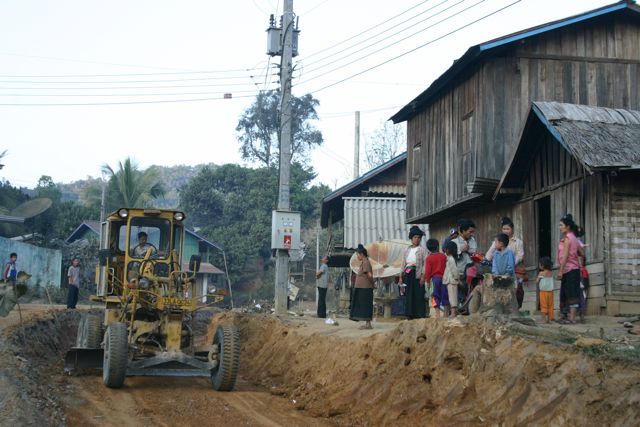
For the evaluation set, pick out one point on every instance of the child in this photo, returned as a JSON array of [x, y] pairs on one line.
[[545, 284], [504, 261], [451, 277], [433, 272]]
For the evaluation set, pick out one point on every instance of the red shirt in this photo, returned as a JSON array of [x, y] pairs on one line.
[[434, 266]]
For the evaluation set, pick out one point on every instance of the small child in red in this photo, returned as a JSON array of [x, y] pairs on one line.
[[434, 266]]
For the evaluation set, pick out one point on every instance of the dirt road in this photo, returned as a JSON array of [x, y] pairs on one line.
[[35, 372], [301, 372]]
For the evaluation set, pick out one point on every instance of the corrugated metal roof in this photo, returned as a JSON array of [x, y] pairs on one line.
[[398, 189], [367, 219]]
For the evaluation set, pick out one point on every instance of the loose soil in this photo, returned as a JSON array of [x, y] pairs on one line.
[[302, 372]]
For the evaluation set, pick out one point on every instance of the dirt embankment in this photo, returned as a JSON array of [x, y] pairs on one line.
[[437, 372], [31, 366], [305, 373]]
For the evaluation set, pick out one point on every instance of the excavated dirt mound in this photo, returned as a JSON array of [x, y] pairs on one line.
[[437, 372], [422, 372], [30, 358]]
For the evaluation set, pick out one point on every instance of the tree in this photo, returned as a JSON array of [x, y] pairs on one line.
[[258, 129], [232, 206], [130, 187], [384, 144]]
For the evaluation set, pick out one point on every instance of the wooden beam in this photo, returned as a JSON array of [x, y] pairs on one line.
[[596, 59]]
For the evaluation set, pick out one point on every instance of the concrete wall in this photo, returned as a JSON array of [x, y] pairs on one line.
[[45, 265]]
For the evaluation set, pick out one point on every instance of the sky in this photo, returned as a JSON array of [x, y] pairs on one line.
[[136, 67]]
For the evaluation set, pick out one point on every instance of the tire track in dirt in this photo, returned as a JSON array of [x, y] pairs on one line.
[[177, 401]]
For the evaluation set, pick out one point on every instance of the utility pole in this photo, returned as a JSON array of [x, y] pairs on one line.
[[356, 149], [282, 255]]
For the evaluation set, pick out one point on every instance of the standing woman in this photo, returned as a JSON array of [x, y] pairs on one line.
[[362, 304], [516, 245], [412, 275], [569, 270]]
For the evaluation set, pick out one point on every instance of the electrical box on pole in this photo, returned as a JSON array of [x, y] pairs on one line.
[[274, 39], [285, 230]]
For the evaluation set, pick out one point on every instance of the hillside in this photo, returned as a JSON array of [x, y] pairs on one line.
[[173, 178]]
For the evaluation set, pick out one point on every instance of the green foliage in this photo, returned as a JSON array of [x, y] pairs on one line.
[[10, 197], [232, 206], [258, 130], [128, 186]]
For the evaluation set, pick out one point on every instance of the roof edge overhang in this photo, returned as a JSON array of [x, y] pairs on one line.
[[478, 52], [535, 118], [468, 202], [335, 197]]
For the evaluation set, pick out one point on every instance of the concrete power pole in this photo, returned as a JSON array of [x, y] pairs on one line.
[[282, 257], [356, 150]]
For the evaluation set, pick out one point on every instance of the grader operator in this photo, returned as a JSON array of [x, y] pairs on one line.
[[148, 307]]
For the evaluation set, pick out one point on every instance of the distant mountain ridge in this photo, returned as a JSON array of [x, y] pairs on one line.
[[173, 178]]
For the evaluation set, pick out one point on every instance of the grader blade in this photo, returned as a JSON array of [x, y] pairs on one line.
[[83, 358]]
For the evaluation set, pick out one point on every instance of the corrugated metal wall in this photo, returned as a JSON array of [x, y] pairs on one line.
[[44, 265], [367, 219]]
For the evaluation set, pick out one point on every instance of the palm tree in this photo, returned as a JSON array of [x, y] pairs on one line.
[[130, 187]]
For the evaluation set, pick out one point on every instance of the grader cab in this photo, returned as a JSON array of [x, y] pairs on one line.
[[149, 303]]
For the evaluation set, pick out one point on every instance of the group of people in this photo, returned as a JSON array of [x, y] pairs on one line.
[[431, 278]]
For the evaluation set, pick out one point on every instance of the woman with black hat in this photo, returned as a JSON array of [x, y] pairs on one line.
[[362, 303], [412, 275]]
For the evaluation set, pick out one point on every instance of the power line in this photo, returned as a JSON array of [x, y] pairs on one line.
[[453, 15], [313, 8], [129, 81], [419, 47], [122, 94], [51, 58], [349, 113], [177, 71], [367, 30], [128, 87], [379, 34], [163, 101]]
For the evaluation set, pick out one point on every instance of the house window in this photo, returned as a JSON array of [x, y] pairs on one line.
[[466, 137], [417, 162]]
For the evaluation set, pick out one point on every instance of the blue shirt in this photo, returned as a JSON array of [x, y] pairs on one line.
[[504, 263]]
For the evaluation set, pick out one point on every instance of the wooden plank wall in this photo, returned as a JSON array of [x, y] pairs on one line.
[[625, 236], [432, 185], [595, 64]]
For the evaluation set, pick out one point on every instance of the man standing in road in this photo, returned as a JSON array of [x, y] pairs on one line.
[[322, 277], [73, 275]]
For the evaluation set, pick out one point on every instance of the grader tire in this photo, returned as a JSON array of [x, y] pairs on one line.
[[114, 367], [81, 337], [223, 377], [89, 332], [94, 331]]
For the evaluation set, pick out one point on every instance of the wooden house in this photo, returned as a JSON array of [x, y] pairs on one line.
[[463, 132]]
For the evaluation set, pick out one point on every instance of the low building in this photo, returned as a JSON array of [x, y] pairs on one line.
[[369, 208], [44, 265], [583, 160]]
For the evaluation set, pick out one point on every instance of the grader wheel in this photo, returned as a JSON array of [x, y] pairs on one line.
[[89, 332], [223, 377], [114, 367]]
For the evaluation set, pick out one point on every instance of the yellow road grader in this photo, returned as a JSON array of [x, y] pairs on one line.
[[149, 303]]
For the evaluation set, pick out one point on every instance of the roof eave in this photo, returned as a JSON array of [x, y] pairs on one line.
[[480, 50]]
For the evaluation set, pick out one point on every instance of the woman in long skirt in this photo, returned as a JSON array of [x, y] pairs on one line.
[[413, 275], [362, 303]]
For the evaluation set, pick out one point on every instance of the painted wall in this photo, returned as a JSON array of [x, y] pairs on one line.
[[45, 265]]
